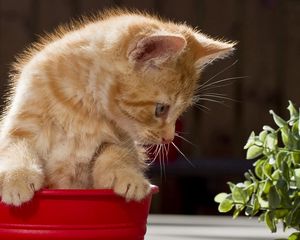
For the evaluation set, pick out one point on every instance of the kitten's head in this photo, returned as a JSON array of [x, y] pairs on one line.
[[160, 79]]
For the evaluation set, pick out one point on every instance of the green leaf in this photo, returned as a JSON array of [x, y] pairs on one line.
[[258, 168], [256, 206], [282, 185], [254, 152], [295, 130], [276, 175], [296, 219], [268, 128], [282, 189], [262, 136], [294, 236], [267, 169], [220, 197], [293, 218], [225, 206], [278, 120], [281, 213], [231, 186], [270, 221], [299, 123], [267, 186], [253, 206], [286, 136], [247, 176], [280, 157], [293, 111], [239, 195], [261, 217], [274, 198], [247, 183], [252, 176], [271, 141], [295, 157], [297, 177], [250, 140], [285, 170], [237, 211], [263, 203]]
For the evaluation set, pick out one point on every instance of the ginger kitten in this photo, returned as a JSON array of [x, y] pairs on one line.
[[85, 100]]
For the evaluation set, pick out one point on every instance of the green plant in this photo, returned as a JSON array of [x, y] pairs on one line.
[[272, 190]]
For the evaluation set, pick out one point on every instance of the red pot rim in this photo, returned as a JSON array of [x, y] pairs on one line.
[[84, 192]]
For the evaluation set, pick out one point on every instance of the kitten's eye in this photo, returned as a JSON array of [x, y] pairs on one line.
[[161, 109]]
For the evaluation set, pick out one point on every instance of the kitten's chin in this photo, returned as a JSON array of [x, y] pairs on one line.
[[147, 142], [147, 139], [137, 135]]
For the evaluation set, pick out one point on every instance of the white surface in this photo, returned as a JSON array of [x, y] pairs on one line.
[[175, 227]]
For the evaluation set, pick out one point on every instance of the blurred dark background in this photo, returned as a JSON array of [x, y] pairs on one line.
[[267, 67]]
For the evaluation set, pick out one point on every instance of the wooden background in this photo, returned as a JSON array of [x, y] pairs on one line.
[[268, 54]]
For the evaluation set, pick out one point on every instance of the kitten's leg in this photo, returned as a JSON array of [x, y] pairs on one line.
[[20, 173], [120, 169]]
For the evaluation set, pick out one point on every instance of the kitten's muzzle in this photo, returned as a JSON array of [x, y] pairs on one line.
[[168, 134]]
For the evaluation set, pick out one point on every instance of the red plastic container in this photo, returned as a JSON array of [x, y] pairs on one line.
[[75, 214]]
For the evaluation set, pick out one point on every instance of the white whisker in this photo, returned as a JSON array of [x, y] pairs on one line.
[[160, 164], [201, 107], [214, 76], [182, 133], [214, 95], [183, 154], [184, 139], [166, 152], [168, 148], [156, 154], [163, 163], [203, 87], [214, 87], [210, 100]]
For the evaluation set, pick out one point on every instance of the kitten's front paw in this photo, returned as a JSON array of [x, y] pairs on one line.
[[127, 183], [20, 184]]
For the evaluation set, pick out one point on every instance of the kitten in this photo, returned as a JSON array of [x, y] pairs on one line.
[[86, 99]]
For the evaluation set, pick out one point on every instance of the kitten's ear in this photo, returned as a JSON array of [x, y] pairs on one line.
[[157, 48], [209, 49]]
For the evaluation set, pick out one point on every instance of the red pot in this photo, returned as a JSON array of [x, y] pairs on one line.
[[75, 214]]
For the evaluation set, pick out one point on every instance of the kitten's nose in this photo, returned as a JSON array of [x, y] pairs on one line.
[[167, 135]]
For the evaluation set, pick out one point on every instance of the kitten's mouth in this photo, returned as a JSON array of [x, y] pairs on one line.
[[147, 143]]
